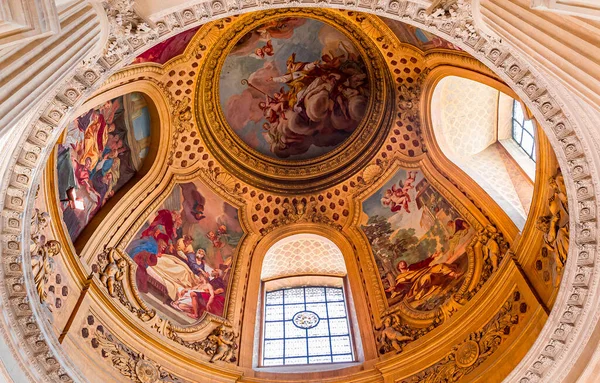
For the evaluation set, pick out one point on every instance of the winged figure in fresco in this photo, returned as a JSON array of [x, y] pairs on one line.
[[266, 50], [193, 201], [278, 29], [397, 197]]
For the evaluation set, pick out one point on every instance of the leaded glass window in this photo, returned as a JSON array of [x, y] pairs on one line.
[[306, 325], [523, 130]]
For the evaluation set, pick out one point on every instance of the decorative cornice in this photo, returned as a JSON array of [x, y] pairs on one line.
[[127, 30]]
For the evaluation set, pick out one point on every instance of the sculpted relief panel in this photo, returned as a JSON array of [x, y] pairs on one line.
[[184, 253]]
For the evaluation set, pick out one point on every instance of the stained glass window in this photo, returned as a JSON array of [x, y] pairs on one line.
[[306, 325], [523, 130]]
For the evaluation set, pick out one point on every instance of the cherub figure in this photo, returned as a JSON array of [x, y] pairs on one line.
[[113, 272], [221, 343], [390, 335], [397, 197], [265, 50]]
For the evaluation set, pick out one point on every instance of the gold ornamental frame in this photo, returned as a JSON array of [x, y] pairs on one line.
[[299, 176]]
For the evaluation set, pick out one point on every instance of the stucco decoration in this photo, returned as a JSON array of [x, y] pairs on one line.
[[127, 29], [303, 254], [473, 351], [564, 331], [43, 252], [132, 364], [555, 228]]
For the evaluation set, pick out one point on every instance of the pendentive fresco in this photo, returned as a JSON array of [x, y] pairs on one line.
[[418, 239], [102, 150], [184, 253]]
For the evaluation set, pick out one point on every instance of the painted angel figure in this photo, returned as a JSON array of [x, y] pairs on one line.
[[397, 197], [266, 50]]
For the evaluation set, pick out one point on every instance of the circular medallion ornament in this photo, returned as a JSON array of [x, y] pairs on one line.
[[467, 354], [306, 319], [146, 372], [297, 103]]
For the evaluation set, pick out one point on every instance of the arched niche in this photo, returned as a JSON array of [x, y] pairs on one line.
[[468, 116], [335, 247], [100, 156]]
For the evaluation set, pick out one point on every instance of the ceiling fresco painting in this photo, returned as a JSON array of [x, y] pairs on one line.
[[295, 145], [102, 150], [418, 240], [294, 88], [172, 47], [184, 253]]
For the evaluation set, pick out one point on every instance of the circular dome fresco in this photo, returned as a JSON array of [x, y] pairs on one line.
[[295, 99], [294, 88]]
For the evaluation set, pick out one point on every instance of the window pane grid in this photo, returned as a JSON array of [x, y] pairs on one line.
[[522, 131], [298, 329]]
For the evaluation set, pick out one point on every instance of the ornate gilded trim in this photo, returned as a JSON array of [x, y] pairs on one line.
[[477, 348]]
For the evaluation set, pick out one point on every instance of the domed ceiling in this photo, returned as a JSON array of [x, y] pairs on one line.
[[185, 176]]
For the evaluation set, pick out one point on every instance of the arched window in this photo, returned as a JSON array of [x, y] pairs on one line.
[[306, 325], [305, 307], [523, 130], [487, 134]]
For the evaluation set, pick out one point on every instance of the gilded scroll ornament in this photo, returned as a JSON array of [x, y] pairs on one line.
[[477, 348], [299, 211], [182, 114], [134, 365]]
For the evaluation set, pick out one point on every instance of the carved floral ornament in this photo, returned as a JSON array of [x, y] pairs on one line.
[[43, 132]]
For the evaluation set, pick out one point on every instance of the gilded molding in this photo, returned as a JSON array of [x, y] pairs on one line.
[[132, 364], [477, 348]]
